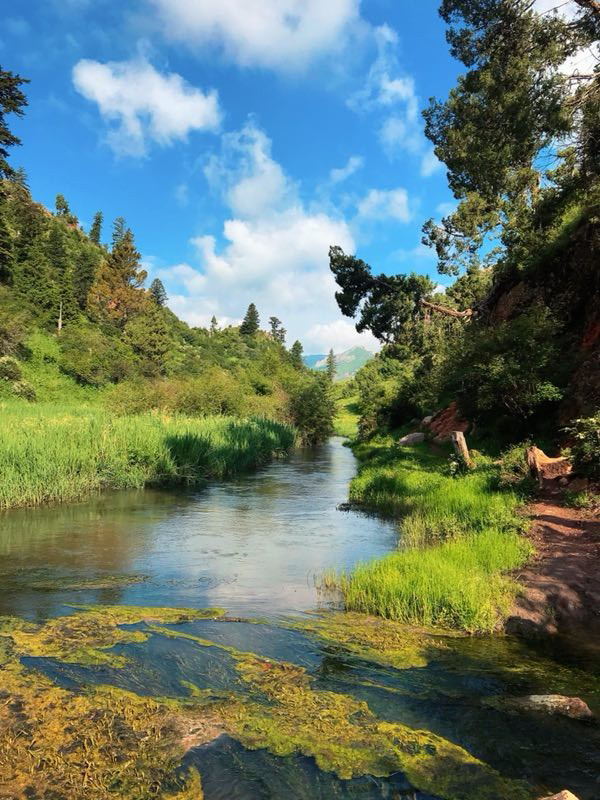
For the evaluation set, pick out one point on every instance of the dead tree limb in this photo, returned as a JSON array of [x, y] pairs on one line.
[[450, 312]]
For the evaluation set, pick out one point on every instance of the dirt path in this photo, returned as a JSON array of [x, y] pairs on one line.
[[561, 586]]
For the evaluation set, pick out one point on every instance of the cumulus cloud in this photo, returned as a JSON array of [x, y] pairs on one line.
[[273, 250], [279, 34], [339, 335], [141, 104], [385, 204]]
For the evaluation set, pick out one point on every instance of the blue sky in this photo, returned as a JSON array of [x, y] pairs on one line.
[[239, 138]]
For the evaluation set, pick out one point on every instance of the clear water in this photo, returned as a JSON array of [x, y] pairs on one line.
[[256, 547]]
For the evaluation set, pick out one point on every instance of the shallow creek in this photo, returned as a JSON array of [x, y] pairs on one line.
[[333, 714]]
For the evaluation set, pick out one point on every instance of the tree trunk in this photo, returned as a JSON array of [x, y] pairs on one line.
[[449, 312], [60, 318], [460, 447]]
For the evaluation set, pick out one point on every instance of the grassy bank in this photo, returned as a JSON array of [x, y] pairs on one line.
[[460, 535], [57, 453], [346, 418]]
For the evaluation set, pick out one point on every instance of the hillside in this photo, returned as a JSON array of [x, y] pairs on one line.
[[347, 363]]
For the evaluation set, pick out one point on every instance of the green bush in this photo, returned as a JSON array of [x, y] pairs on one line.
[[514, 470], [10, 369], [92, 357], [585, 450], [24, 390]]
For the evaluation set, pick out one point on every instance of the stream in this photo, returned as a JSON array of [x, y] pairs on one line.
[[256, 546]]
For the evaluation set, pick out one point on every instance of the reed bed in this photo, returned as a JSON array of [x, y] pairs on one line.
[[54, 453]]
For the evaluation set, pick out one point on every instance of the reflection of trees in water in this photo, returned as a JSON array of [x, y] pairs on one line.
[[99, 537]]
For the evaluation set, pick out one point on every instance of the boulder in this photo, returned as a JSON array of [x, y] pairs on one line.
[[564, 795], [426, 421], [572, 707], [412, 438], [445, 421]]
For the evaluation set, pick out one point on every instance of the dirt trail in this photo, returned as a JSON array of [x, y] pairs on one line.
[[561, 585]]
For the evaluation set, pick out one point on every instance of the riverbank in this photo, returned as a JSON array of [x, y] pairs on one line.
[[51, 453], [460, 536], [560, 586]]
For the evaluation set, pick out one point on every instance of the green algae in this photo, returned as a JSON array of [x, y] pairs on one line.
[[375, 639], [86, 636]]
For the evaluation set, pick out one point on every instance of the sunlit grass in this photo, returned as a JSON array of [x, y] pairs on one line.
[[459, 535], [346, 418], [56, 453]]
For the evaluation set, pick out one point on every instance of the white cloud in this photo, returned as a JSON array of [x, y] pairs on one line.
[[280, 34], [430, 164], [245, 173], [341, 174], [385, 204], [141, 104], [273, 250]]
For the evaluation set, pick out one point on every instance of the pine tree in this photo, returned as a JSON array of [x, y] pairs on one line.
[[12, 101], [87, 261], [278, 332], [61, 273], [150, 337], [331, 367], [251, 321], [296, 354], [27, 218], [119, 231], [33, 280], [96, 229], [61, 206], [214, 325], [157, 290], [116, 295], [7, 250]]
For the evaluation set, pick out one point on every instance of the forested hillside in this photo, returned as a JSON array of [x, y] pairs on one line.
[[79, 324], [515, 339]]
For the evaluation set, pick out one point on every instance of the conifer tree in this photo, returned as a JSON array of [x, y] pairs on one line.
[[96, 229], [12, 101], [7, 250], [33, 280], [116, 295], [251, 321], [84, 273], [278, 332], [214, 325], [331, 366], [119, 231], [296, 354], [157, 290], [61, 272], [28, 221]]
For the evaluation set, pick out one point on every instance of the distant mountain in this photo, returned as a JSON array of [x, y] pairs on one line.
[[348, 362]]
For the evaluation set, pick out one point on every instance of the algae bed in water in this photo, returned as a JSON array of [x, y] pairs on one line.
[[119, 698]]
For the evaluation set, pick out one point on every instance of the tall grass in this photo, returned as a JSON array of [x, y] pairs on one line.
[[345, 422], [56, 453], [459, 536]]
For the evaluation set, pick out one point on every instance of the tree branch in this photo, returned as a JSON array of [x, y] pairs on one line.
[[450, 312]]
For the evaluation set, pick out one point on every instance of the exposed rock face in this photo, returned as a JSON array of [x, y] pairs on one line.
[[564, 795], [412, 438], [441, 424]]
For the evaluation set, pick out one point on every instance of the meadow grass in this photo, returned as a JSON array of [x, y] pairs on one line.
[[56, 453], [345, 422], [459, 536]]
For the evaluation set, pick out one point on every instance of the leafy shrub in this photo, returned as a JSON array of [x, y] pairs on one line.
[[24, 390], [585, 450], [10, 369], [313, 409], [514, 470], [92, 357]]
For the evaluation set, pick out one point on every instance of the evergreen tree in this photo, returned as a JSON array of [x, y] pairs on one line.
[[296, 354], [7, 250], [119, 231], [157, 290], [86, 267], [12, 101], [96, 229], [61, 206], [33, 280], [27, 218], [150, 337], [278, 332], [214, 325], [62, 273], [116, 295], [331, 367], [251, 321]]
